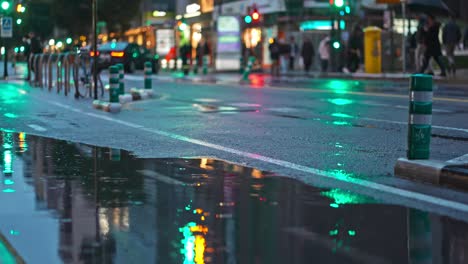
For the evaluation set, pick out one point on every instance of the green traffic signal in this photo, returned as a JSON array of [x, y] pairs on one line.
[[5, 5], [348, 10], [69, 41], [19, 21], [336, 45], [248, 19]]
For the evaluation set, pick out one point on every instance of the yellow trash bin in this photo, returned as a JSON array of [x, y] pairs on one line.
[[373, 50]]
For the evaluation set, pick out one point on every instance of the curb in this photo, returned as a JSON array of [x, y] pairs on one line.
[[443, 173], [456, 176]]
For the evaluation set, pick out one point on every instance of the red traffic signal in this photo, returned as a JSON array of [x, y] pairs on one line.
[[255, 15]]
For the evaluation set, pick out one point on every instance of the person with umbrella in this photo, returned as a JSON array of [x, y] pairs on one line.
[[433, 47], [451, 37]]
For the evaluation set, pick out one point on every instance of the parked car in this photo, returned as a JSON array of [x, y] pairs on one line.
[[131, 55]]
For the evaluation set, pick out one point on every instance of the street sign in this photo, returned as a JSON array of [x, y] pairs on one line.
[[7, 27], [388, 1]]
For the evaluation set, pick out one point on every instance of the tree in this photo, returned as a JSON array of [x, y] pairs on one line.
[[72, 15], [118, 13], [75, 15]]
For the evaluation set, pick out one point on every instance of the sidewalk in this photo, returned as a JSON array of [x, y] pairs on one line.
[[460, 80]]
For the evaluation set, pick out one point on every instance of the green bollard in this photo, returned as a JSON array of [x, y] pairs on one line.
[[248, 68], [420, 117], [195, 67], [114, 84], [148, 73], [205, 65], [121, 78]]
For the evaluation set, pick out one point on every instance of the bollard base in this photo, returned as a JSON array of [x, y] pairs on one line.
[[125, 98], [419, 170], [141, 94], [107, 107], [452, 173]]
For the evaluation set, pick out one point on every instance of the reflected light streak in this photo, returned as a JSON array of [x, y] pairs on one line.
[[7, 162], [340, 101], [199, 229], [257, 174], [203, 163], [200, 249], [345, 197]]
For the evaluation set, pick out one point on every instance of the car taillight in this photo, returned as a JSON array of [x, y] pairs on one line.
[[92, 53], [117, 54]]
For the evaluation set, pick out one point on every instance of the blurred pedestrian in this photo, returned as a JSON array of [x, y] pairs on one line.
[[284, 50], [420, 45], [293, 53], [465, 38], [324, 53], [451, 37], [355, 44], [202, 50], [36, 46], [308, 54], [26, 43], [433, 47], [185, 52], [274, 49]]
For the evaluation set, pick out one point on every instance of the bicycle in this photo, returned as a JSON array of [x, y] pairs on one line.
[[85, 76]]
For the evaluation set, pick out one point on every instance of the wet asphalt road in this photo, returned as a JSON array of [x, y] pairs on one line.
[[334, 134], [64, 202]]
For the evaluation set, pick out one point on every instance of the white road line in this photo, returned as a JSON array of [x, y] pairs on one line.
[[380, 188], [406, 123], [37, 128]]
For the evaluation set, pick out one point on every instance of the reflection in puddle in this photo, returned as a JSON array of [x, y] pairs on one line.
[[65, 202], [340, 101]]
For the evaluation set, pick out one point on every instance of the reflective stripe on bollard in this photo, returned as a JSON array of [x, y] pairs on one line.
[[114, 84], [148, 73], [420, 117], [121, 78]]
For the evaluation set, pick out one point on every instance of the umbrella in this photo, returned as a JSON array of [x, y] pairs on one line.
[[435, 7]]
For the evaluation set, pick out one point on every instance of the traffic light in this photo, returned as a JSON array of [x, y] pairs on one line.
[[248, 19], [339, 3], [341, 6], [5, 5], [19, 21], [255, 15], [181, 25], [336, 44], [20, 8]]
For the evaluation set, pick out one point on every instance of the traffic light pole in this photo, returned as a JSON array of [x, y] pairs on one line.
[[95, 70], [5, 61], [332, 39]]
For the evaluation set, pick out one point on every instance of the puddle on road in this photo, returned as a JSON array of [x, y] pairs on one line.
[[72, 203]]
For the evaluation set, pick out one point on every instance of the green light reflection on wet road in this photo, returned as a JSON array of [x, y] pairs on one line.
[[340, 101]]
